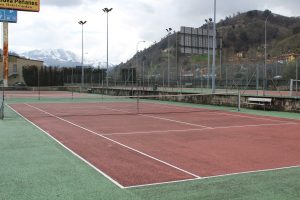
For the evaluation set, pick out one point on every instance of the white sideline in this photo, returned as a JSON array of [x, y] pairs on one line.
[[123, 145], [211, 177], [75, 154]]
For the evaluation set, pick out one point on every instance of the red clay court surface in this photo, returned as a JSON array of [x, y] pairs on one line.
[[182, 144]]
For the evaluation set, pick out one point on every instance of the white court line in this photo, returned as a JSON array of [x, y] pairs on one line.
[[171, 120], [161, 118], [114, 141], [221, 112], [251, 117], [75, 154], [153, 184], [149, 132], [212, 177], [203, 129]]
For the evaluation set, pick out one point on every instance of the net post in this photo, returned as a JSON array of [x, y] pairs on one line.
[[138, 101], [2, 104], [72, 92], [239, 100], [2, 111], [291, 87], [39, 93], [39, 89]]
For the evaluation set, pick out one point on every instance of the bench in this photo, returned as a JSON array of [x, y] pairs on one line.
[[259, 101], [188, 84]]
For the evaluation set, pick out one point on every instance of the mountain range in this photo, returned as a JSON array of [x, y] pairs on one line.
[[61, 58]]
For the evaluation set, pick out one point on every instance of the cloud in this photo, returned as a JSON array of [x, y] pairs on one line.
[[60, 3], [130, 21]]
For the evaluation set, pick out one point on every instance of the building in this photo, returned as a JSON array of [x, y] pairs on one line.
[[290, 57], [15, 68]]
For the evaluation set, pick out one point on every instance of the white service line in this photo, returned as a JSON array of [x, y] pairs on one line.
[[224, 112], [171, 120], [203, 129], [149, 132], [114, 141], [160, 118]]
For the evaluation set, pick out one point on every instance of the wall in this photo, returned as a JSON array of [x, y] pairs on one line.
[[278, 103]]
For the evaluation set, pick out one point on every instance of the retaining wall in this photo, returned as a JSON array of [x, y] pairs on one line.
[[286, 104]]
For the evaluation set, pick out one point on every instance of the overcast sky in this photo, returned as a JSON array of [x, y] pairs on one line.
[[56, 25]]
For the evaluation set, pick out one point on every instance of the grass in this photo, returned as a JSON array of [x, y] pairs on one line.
[[33, 166]]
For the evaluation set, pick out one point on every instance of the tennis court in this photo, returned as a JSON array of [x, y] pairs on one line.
[[159, 143]]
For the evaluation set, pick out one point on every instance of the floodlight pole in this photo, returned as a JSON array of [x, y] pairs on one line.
[[137, 61], [265, 65], [208, 21], [169, 33], [82, 67], [297, 79], [107, 10], [214, 51]]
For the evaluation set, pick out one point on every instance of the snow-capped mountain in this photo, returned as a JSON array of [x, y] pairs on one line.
[[54, 57], [60, 58]]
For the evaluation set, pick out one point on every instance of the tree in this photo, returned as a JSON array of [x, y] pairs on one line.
[[244, 36], [231, 36], [30, 75], [266, 13], [296, 30], [252, 13]]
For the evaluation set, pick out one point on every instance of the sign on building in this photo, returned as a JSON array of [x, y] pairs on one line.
[[8, 16], [195, 40], [23, 5]]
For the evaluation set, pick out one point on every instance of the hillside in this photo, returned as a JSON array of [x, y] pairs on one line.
[[243, 34]]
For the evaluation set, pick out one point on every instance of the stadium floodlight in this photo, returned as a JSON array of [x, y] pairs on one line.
[[82, 67], [107, 10], [169, 33]]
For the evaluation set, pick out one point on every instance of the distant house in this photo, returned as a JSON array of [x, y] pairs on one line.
[[15, 68], [291, 57]]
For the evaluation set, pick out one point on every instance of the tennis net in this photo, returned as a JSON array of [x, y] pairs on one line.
[[163, 104], [106, 101]]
